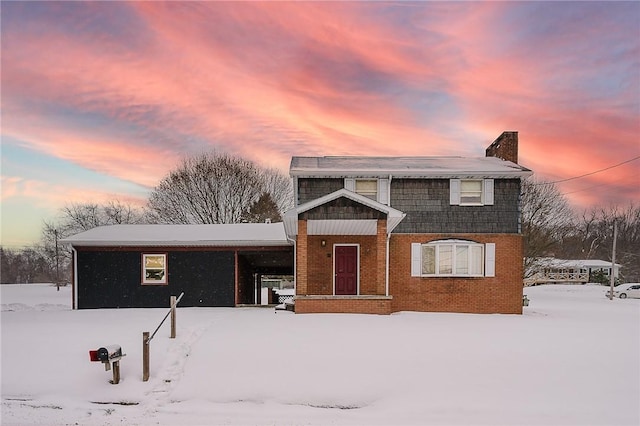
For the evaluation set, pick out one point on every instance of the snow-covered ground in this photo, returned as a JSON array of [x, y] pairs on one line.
[[573, 358]]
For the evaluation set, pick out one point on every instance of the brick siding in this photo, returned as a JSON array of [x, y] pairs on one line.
[[318, 263], [499, 294], [343, 304]]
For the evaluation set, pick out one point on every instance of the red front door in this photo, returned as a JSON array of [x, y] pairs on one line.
[[346, 264]]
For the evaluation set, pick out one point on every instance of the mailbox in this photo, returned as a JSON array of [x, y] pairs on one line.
[[106, 354], [110, 353]]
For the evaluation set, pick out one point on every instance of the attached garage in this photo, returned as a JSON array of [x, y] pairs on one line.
[[141, 266]]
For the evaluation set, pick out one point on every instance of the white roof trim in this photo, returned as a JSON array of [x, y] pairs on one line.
[[394, 217]]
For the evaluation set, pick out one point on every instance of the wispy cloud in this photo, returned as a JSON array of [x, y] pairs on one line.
[[127, 89]]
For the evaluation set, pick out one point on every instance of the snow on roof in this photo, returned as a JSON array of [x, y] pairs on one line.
[[238, 234], [550, 262], [434, 167]]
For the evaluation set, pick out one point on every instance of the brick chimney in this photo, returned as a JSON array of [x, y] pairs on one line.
[[505, 147]]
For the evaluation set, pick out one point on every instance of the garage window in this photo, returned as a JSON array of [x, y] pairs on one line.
[[154, 269]]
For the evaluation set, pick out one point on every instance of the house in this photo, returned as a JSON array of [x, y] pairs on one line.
[[563, 271], [123, 266], [387, 234], [366, 235]]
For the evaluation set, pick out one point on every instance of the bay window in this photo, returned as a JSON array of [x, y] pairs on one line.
[[453, 258]]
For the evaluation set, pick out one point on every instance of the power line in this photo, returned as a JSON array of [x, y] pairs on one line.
[[595, 186], [587, 174]]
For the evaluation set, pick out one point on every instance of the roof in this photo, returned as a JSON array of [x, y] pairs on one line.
[[432, 167], [344, 226], [238, 234], [576, 264]]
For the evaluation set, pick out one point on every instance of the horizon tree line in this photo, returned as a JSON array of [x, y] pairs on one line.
[[214, 188]]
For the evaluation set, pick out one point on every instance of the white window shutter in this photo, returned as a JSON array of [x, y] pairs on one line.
[[416, 259], [454, 192], [487, 187], [490, 260], [383, 191], [350, 184]]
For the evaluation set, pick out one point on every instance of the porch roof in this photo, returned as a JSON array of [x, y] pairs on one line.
[[341, 226]]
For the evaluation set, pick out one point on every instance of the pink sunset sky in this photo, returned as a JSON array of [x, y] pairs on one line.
[[101, 100]]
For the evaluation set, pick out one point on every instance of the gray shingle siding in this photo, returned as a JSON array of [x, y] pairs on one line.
[[311, 189], [426, 203], [342, 208]]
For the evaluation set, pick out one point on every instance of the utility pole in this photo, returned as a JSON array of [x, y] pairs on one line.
[[55, 232], [613, 259]]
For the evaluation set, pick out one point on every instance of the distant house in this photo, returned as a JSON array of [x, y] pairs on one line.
[[563, 271], [388, 234], [366, 235]]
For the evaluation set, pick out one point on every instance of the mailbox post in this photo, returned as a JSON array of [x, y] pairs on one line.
[[108, 355]]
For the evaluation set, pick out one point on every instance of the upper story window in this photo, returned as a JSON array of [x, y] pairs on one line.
[[471, 192], [375, 189], [368, 188], [154, 269], [452, 258]]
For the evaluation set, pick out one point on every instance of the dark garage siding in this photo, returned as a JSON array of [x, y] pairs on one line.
[[112, 279]]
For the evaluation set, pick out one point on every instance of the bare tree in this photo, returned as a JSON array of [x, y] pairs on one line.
[[596, 232], [23, 266], [78, 217], [215, 188], [547, 219], [279, 187]]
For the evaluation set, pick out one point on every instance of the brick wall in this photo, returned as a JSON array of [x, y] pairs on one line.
[[301, 258], [315, 261], [505, 147], [320, 263], [499, 294], [345, 305]]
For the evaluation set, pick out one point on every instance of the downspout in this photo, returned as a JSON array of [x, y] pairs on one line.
[[386, 278], [296, 202], [74, 280], [386, 283]]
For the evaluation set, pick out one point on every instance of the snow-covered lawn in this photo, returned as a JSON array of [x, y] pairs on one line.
[[573, 358]]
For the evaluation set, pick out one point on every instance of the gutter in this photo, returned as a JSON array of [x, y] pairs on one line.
[[386, 278]]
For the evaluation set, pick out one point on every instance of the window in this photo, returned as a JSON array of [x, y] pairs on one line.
[[154, 269], [368, 188], [471, 192], [453, 258], [375, 189]]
